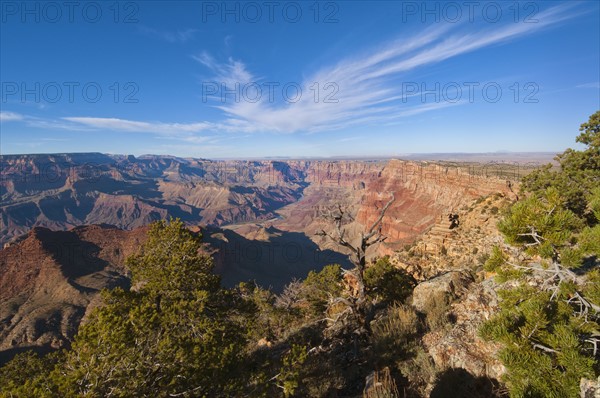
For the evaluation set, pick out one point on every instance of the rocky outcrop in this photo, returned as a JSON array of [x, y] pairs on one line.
[[460, 346], [424, 193], [441, 249], [448, 262], [590, 388], [448, 286]]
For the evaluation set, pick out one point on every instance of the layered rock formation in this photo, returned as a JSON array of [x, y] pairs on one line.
[[425, 193], [62, 191]]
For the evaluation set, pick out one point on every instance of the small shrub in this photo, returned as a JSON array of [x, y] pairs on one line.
[[392, 334], [482, 258], [318, 287], [289, 376], [381, 385], [495, 260], [436, 311], [385, 282], [419, 370], [400, 322]]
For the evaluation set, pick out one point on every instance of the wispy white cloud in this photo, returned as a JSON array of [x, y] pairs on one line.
[[6, 116], [229, 73], [178, 36], [124, 125], [589, 85], [364, 88], [38, 122], [347, 139], [185, 132]]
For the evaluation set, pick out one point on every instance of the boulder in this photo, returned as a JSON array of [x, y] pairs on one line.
[[450, 284], [461, 347]]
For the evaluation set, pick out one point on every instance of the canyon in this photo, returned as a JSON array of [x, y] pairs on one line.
[[67, 190], [69, 221]]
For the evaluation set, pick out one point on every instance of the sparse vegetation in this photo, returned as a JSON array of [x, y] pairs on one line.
[[177, 332], [394, 332], [437, 311], [381, 385], [419, 369]]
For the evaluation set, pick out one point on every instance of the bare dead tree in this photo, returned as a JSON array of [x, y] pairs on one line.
[[359, 250], [290, 296]]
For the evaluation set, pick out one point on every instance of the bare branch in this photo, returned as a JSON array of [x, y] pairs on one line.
[[185, 392], [537, 237], [543, 347], [594, 342], [380, 218], [337, 239]]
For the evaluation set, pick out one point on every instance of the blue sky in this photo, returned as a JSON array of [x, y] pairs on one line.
[[284, 78]]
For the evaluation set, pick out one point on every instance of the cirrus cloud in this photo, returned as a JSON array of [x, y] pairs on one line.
[[6, 116]]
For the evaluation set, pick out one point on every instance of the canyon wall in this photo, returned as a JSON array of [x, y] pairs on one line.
[[425, 193]]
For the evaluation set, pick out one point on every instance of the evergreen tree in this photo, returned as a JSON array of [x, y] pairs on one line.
[[387, 283], [549, 323], [29, 375], [170, 336]]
